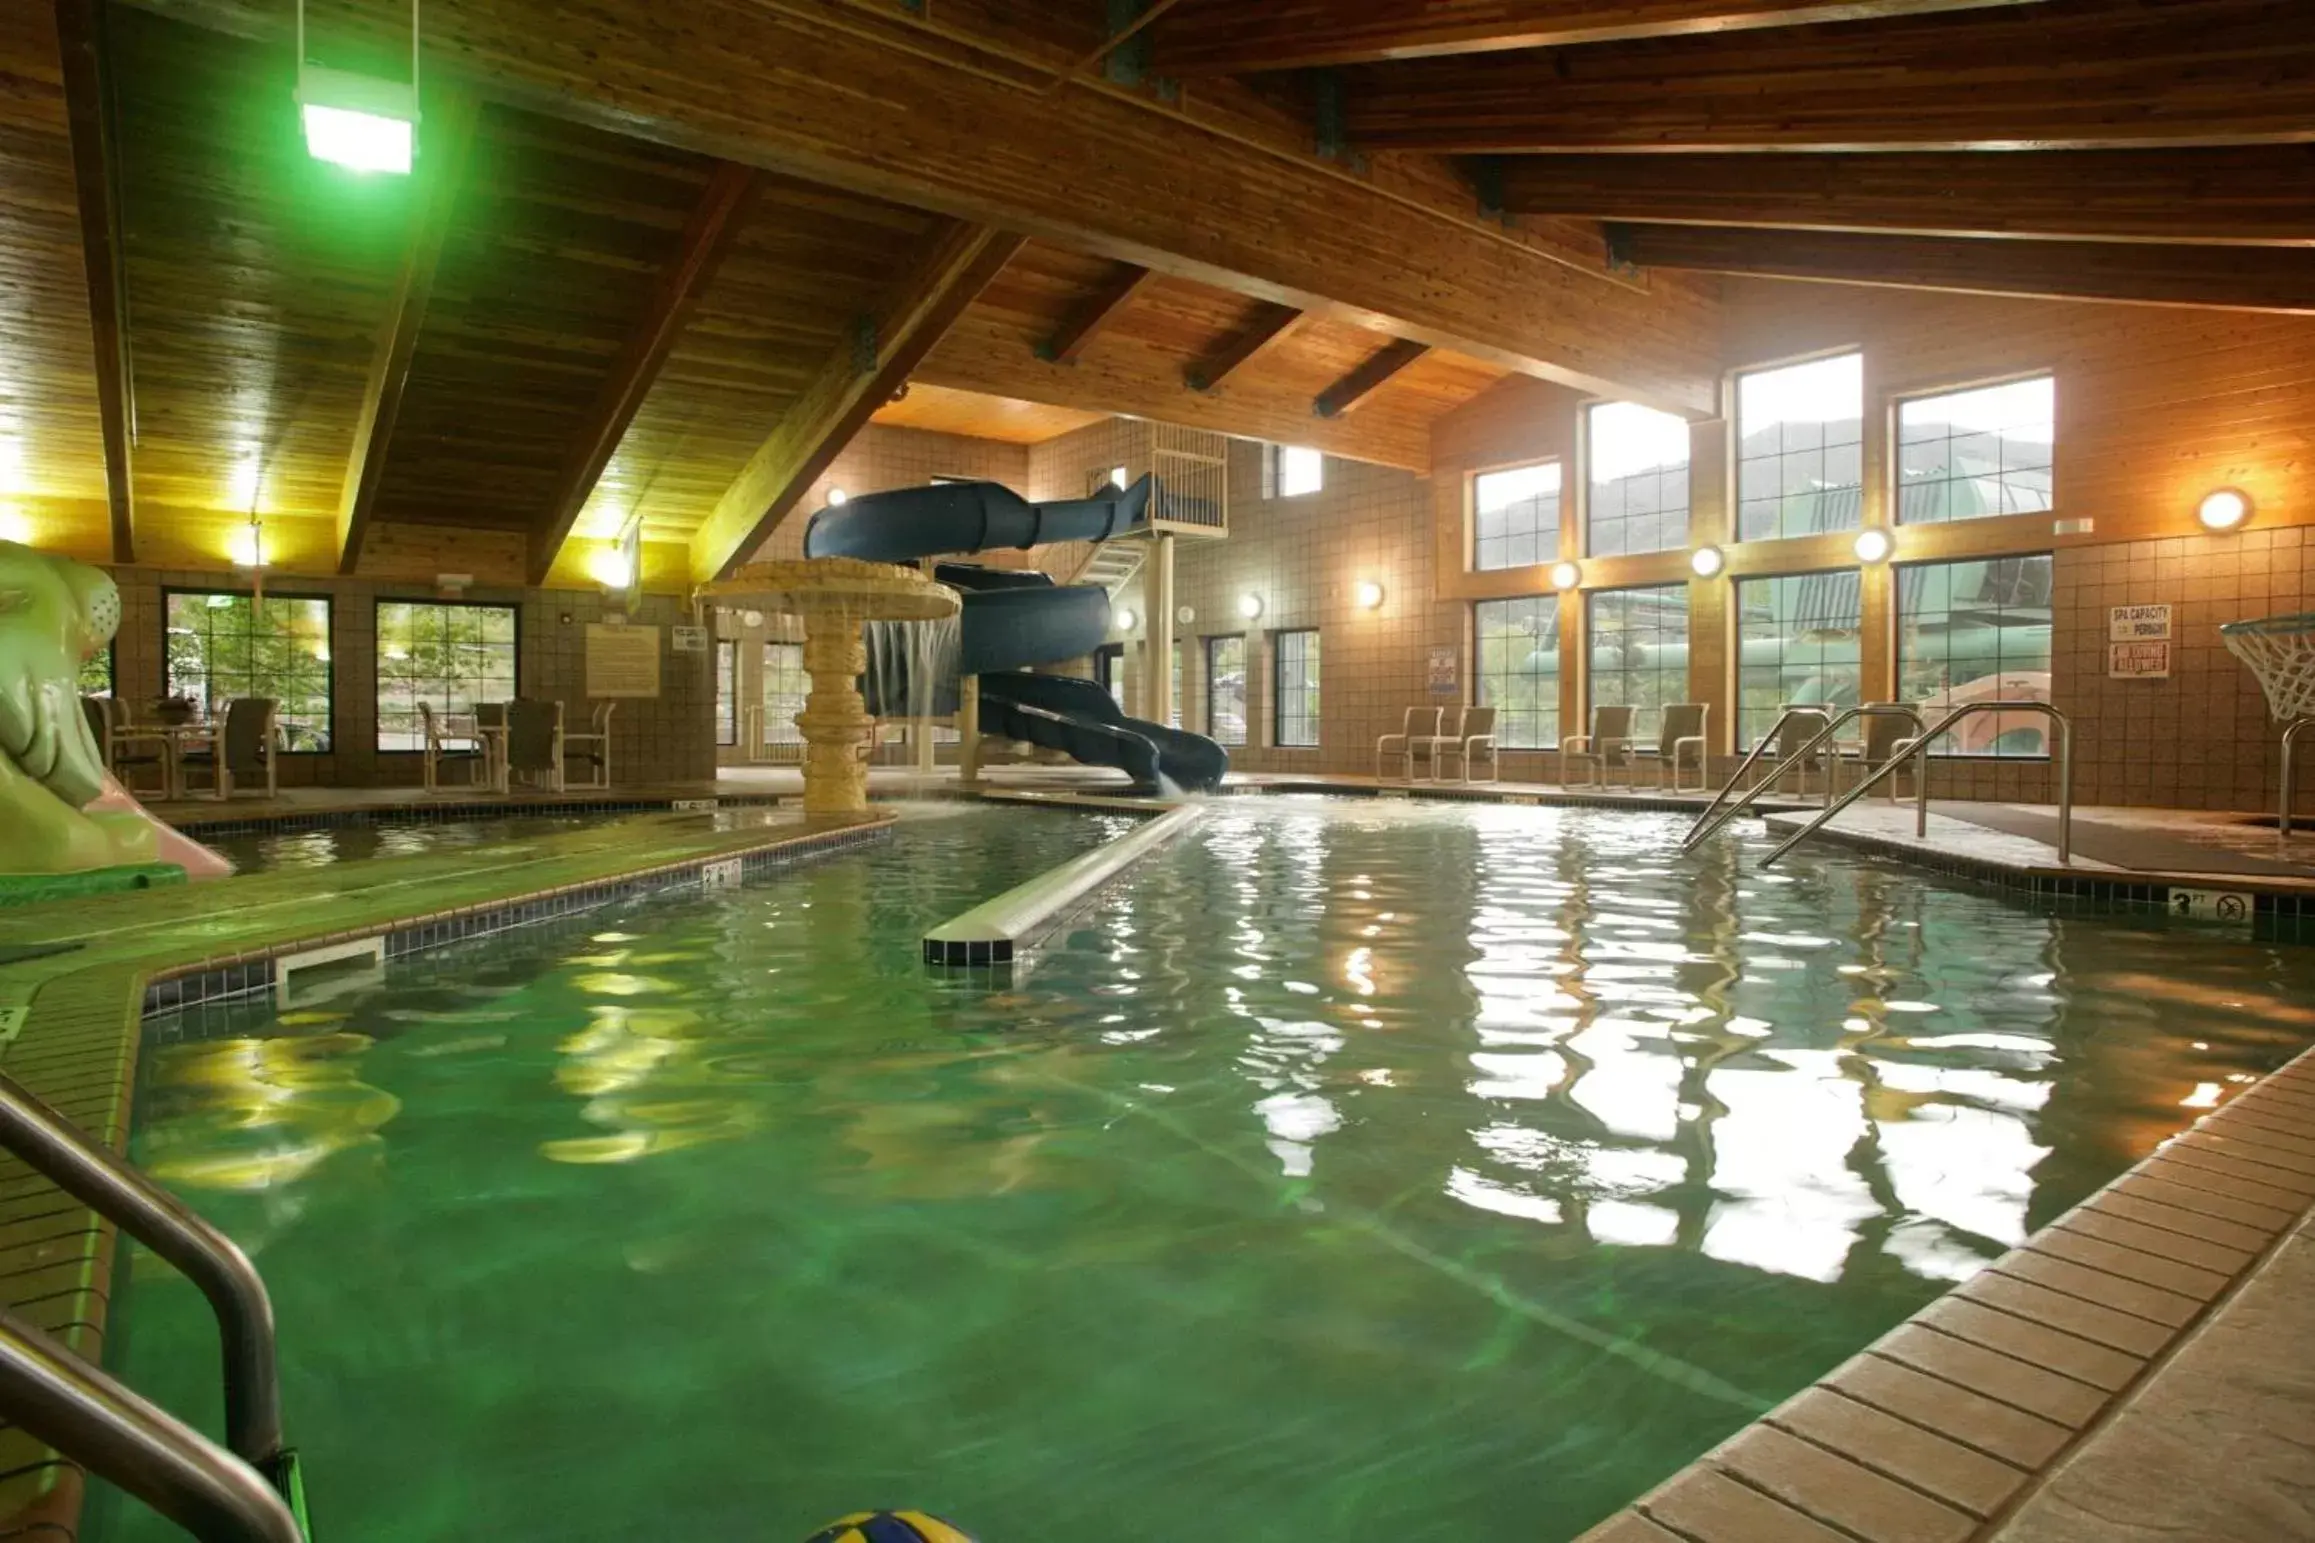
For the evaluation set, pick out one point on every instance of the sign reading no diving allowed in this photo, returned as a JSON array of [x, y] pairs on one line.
[[2212, 905], [2138, 642]]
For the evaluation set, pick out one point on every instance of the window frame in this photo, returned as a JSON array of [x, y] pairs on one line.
[[1897, 645], [112, 672], [727, 650], [1547, 600], [329, 632], [1550, 540], [1895, 489], [771, 734], [1586, 460], [1278, 694], [378, 675], [1277, 468], [1735, 458], [1743, 740], [1643, 734], [1245, 690]]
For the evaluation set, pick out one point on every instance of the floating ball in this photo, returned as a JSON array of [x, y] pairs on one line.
[[890, 1527]]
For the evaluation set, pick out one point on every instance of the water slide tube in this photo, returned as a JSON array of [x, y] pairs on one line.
[[1013, 618]]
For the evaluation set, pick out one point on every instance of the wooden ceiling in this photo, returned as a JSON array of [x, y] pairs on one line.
[[977, 415]]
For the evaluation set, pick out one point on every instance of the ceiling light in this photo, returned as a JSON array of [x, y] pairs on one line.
[[1566, 575], [359, 121], [1249, 606], [1369, 595], [246, 546], [14, 526], [611, 566], [1874, 545], [1707, 561], [2223, 509]]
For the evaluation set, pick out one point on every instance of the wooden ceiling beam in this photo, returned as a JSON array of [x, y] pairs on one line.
[[446, 142], [2254, 195], [1095, 312], [715, 220], [860, 377], [1369, 377], [1096, 168], [88, 99], [2242, 278], [1269, 326], [2062, 75], [1227, 37]]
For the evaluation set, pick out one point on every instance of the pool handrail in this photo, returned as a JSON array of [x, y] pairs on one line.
[[1920, 747], [85, 1169], [2290, 749], [90, 1417], [1903, 710], [1714, 816]]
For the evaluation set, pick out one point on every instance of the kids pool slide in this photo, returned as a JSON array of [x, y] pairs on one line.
[[1015, 618]]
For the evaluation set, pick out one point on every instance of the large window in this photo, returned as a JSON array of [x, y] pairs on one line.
[[1226, 689], [1800, 434], [1296, 470], [1296, 720], [1970, 454], [1977, 632], [727, 692], [1636, 461], [1518, 669], [1174, 701], [1639, 651], [448, 657], [1515, 517], [223, 647], [1797, 639], [785, 687]]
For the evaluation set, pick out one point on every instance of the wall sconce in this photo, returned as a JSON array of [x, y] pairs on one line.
[[752, 620], [611, 567], [2223, 509], [1874, 545], [1185, 615], [246, 545], [1566, 575], [1249, 606], [1707, 561], [1369, 594], [838, 498], [1123, 619]]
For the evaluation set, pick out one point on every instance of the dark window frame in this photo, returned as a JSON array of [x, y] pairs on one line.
[[1744, 739], [1643, 731], [1897, 613], [330, 631], [727, 726], [377, 644], [1547, 604], [1278, 693], [1547, 536], [1245, 689]]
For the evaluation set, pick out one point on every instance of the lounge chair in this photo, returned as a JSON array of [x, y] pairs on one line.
[[1606, 747], [1682, 744], [453, 742], [534, 743], [1474, 737], [247, 742], [1886, 739], [1796, 733], [593, 748], [1422, 723]]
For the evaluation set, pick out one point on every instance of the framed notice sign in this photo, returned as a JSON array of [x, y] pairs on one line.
[[622, 661], [2138, 661], [1442, 672], [2138, 624]]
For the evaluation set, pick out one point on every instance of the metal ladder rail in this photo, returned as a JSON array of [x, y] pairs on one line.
[[52, 1146], [2290, 749], [81, 1411], [1920, 748], [1911, 715], [1706, 823]]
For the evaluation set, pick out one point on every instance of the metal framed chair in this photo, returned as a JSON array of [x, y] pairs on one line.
[[1477, 730], [1422, 723], [593, 748], [452, 741], [1886, 739], [1796, 733], [1683, 744], [1607, 747], [1431, 747], [130, 747], [534, 743], [241, 751]]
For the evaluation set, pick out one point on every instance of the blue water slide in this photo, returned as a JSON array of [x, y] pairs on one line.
[[1015, 618]]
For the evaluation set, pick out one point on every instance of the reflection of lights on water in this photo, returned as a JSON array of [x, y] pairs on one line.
[[2204, 1096]]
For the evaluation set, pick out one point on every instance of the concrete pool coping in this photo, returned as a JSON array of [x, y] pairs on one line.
[[74, 1020]]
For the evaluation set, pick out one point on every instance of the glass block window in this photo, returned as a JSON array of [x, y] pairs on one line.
[[785, 686], [448, 656], [727, 692], [1296, 719], [1797, 641], [1296, 470], [1637, 641], [1636, 461], [1977, 632], [1517, 669], [1515, 517], [1970, 455], [1800, 437], [222, 647], [1226, 689]]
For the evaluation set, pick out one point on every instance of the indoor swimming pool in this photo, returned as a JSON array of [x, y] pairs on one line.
[[1367, 1170]]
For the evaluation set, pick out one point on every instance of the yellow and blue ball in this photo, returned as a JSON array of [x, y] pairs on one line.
[[890, 1527]]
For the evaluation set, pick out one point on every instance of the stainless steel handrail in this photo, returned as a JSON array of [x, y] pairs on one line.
[[71, 1405], [1911, 715], [1920, 747], [85, 1170], [1712, 818], [2290, 745]]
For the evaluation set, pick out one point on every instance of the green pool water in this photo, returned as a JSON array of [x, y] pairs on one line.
[[1354, 1170], [261, 851]]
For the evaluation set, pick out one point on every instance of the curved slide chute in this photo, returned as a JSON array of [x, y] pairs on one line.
[[1014, 618]]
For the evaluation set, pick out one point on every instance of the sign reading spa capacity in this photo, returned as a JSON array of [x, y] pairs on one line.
[[2138, 642], [622, 661]]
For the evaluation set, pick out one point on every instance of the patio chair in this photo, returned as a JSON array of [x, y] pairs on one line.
[[1429, 748], [593, 748], [1607, 747], [534, 743], [1886, 739], [1422, 723], [1682, 745], [1475, 736], [1796, 733], [452, 743], [248, 740]]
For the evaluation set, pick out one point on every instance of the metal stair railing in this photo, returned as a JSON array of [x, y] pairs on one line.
[[1713, 816], [1920, 748], [2290, 751]]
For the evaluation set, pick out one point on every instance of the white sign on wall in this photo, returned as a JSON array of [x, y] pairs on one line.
[[622, 661], [2138, 623], [690, 640], [2138, 661]]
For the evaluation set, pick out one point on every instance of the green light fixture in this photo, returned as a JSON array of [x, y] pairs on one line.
[[358, 121]]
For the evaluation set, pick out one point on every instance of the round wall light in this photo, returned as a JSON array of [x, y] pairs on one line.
[[1566, 575], [1249, 606], [1874, 545], [1124, 620], [1185, 615], [1707, 561], [1369, 594], [2223, 509], [752, 620], [837, 498]]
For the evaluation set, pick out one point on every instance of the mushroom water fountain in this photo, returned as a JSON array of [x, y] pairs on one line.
[[835, 596]]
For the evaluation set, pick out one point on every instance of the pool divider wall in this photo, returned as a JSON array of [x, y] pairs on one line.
[[997, 930]]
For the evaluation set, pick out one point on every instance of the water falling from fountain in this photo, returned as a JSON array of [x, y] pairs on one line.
[[912, 674]]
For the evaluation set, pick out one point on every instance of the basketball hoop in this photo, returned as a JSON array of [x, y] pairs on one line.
[[2280, 651]]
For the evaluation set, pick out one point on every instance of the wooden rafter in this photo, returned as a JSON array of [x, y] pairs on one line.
[[446, 143], [858, 378], [89, 110], [1269, 326], [1368, 378], [2061, 75], [1225, 37], [2246, 278], [1096, 311], [2252, 194], [715, 220]]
